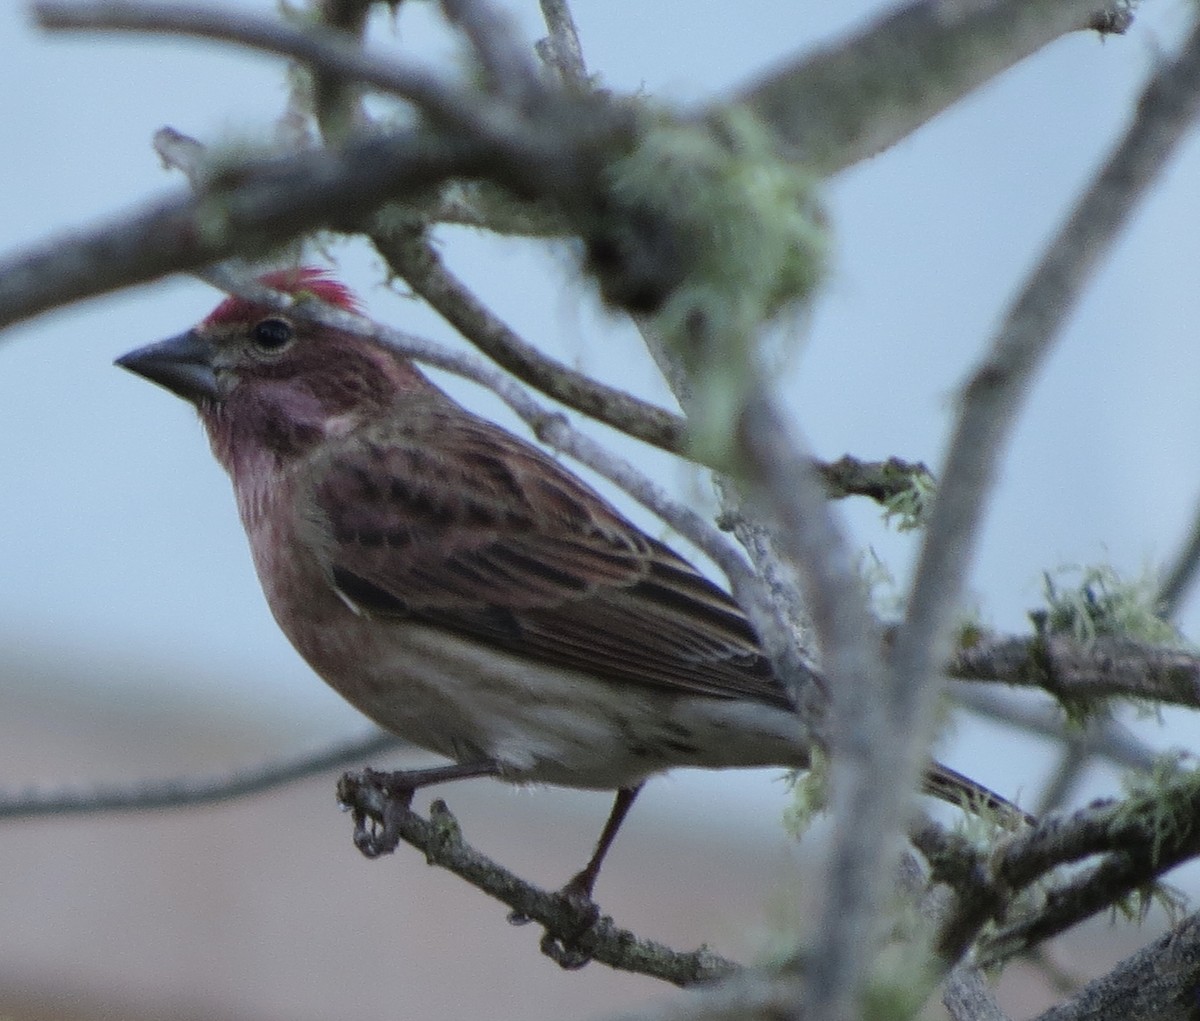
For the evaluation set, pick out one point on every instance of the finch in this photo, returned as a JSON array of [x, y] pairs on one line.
[[459, 586]]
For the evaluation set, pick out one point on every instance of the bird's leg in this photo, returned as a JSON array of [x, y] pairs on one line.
[[579, 888], [563, 948], [378, 800]]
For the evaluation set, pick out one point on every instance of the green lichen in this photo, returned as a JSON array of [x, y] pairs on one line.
[[1161, 807], [746, 240], [1102, 603], [810, 791], [909, 508], [1135, 906], [971, 629], [900, 987], [878, 581], [1162, 803]]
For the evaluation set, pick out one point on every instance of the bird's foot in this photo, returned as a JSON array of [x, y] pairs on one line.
[[568, 945], [376, 802], [380, 800]]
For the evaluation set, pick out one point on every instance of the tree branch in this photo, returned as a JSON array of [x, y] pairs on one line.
[[1075, 672], [507, 68], [566, 922], [1137, 839], [262, 204], [881, 481], [1158, 983], [562, 49], [867, 805], [864, 93], [968, 998], [192, 790], [1105, 738], [410, 255], [1072, 763], [464, 110], [1181, 575]]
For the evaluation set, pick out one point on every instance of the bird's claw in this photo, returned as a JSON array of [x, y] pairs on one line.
[[376, 803], [567, 949], [565, 954], [372, 837]]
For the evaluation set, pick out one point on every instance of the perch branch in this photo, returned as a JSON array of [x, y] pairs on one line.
[[441, 841]]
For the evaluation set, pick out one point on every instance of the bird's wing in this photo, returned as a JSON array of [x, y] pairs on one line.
[[465, 527]]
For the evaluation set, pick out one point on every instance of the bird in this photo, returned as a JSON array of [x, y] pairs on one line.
[[459, 585]]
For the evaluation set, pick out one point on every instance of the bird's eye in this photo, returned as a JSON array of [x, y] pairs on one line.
[[271, 334]]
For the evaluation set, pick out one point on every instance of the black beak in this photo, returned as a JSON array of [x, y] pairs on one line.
[[182, 364]]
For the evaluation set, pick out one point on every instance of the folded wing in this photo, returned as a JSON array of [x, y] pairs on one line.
[[447, 521]]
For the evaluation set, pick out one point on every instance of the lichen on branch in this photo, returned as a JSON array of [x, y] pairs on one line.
[[702, 224]]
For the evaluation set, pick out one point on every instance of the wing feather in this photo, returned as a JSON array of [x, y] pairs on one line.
[[445, 520]]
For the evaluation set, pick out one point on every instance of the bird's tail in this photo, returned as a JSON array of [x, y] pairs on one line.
[[945, 783]]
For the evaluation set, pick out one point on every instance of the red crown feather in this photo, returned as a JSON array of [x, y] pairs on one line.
[[297, 280]]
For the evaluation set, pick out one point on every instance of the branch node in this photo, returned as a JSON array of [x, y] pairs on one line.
[[447, 834]]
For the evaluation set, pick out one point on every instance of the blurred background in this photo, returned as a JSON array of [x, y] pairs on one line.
[[134, 641]]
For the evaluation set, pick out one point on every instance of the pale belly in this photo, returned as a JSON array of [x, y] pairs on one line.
[[541, 724]]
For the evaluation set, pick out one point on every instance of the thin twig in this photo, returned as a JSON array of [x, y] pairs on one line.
[[1181, 576], [958, 865], [565, 51], [336, 102], [775, 604], [503, 58], [1108, 740], [1072, 763], [461, 108], [1096, 889], [192, 790], [882, 481], [412, 257], [1137, 840]]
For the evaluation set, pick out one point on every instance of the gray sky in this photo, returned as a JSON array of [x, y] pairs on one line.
[[121, 540]]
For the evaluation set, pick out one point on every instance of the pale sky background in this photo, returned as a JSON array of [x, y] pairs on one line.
[[120, 541]]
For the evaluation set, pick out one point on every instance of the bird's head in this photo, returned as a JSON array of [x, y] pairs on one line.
[[268, 384]]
